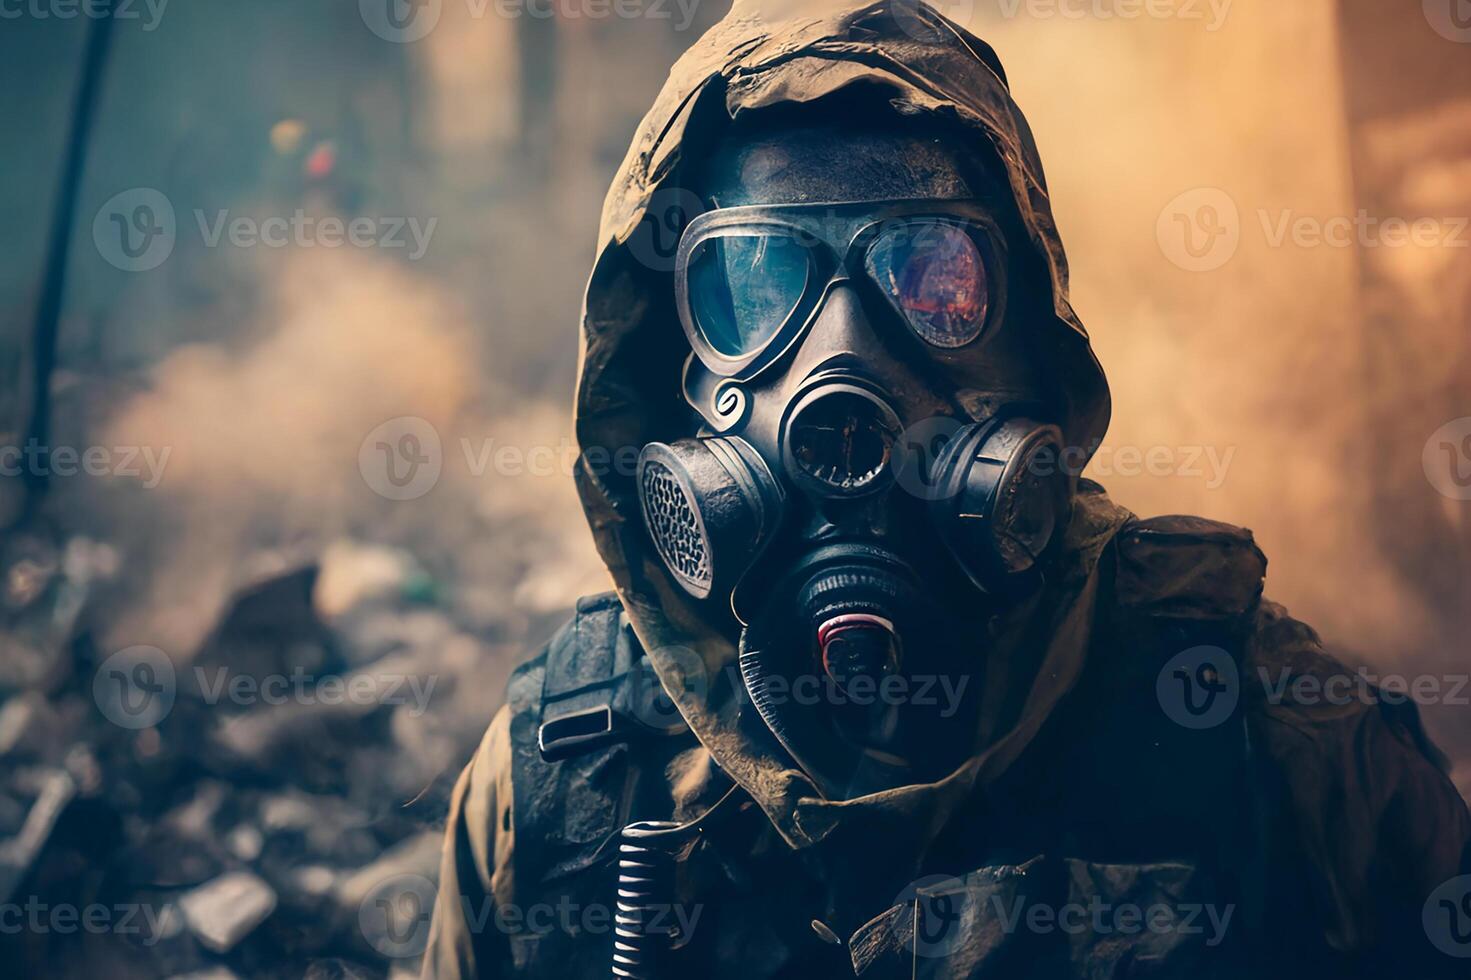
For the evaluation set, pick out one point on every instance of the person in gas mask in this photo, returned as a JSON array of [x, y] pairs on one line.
[[886, 687]]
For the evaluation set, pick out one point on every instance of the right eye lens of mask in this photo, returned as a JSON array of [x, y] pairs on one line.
[[742, 288]]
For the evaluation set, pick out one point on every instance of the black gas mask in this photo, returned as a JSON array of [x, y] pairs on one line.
[[876, 463]]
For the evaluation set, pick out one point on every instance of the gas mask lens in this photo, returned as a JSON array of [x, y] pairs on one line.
[[742, 288], [748, 279], [934, 276]]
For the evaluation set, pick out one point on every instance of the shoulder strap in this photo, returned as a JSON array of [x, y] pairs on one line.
[[580, 758], [598, 689]]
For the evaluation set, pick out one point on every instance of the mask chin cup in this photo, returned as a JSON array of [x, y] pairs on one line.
[[1002, 499], [710, 506]]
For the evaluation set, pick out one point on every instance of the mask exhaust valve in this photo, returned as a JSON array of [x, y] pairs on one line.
[[854, 645], [851, 602]]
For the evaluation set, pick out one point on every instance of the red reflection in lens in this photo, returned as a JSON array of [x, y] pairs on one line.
[[935, 274], [943, 274]]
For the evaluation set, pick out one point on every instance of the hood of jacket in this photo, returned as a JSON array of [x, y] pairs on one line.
[[628, 390]]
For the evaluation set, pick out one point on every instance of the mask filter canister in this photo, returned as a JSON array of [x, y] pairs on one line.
[[710, 506]]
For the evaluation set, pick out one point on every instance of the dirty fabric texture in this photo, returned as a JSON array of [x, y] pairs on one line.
[[1362, 800]]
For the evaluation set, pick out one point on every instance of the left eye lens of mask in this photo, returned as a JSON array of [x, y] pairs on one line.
[[742, 288], [936, 277]]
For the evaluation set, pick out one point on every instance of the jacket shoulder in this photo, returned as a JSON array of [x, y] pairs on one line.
[[1188, 567], [579, 653], [591, 612]]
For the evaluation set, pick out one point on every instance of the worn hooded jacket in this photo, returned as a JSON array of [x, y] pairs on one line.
[[1304, 833]]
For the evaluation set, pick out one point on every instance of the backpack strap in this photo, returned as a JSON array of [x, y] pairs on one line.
[[598, 689], [582, 671], [591, 749]]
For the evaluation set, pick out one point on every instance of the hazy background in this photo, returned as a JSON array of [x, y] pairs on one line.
[[1293, 386]]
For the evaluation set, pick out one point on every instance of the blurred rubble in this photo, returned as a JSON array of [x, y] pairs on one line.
[[223, 912], [260, 371], [291, 795]]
